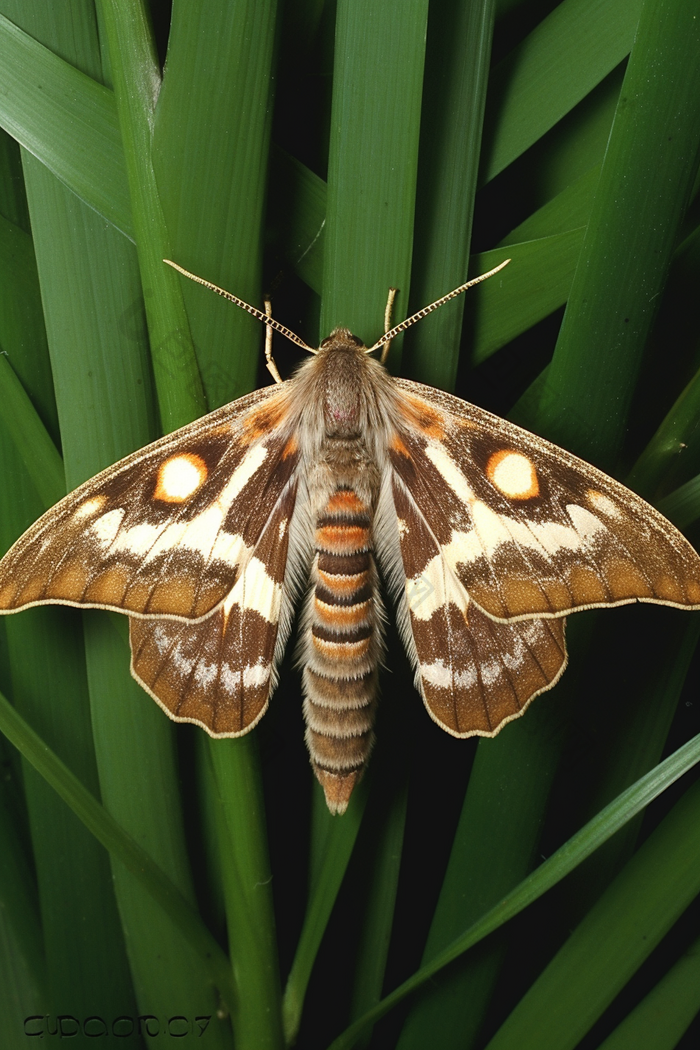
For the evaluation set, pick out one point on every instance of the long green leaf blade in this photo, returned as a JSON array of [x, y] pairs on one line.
[[555, 868], [665, 1014], [570, 52], [108, 832], [622, 929], [457, 64], [65, 119], [631, 232]]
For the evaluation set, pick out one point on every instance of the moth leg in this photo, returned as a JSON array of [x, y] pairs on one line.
[[269, 359], [387, 322]]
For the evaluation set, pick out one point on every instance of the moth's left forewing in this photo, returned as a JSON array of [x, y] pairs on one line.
[[527, 528], [168, 529]]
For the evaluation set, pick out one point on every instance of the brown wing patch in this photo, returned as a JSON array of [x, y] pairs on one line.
[[70, 581], [199, 672], [418, 413], [476, 674], [106, 588]]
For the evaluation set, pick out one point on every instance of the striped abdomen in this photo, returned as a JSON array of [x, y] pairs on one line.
[[342, 647]]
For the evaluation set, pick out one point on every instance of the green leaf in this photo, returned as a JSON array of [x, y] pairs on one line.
[[65, 119], [338, 846], [665, 1014], [108, 832], [560, 61], [555, 868], [536, 282], [136, 76], [630, 235], [683, 505], [217, 232], [31, 438], [457, 65], [372, 164], [248, 892], [626, 924], [386, 833]]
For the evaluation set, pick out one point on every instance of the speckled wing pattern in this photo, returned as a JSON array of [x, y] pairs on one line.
[[501, 535], [189, 536]]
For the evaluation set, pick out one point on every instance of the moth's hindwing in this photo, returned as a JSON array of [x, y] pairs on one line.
[[167, 530], [474, 673], [217, 672], [526, 528]]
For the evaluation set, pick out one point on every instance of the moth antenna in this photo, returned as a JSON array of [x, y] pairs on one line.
[[269, 359], [268, 321], [393, 332], [387, 322]]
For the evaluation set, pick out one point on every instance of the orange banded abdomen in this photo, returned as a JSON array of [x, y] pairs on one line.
[[342, 647]]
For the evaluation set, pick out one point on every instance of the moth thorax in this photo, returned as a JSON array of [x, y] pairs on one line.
[[341, 647], [344, 371]]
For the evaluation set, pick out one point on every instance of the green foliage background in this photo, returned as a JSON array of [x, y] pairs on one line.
[[327, 151]]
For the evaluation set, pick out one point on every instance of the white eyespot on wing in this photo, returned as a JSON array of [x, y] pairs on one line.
[[513, 474], [603, 504], [89, 508], [179, 477], [106, 527]]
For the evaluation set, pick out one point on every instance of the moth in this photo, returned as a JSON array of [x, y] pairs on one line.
[[485, 536]]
